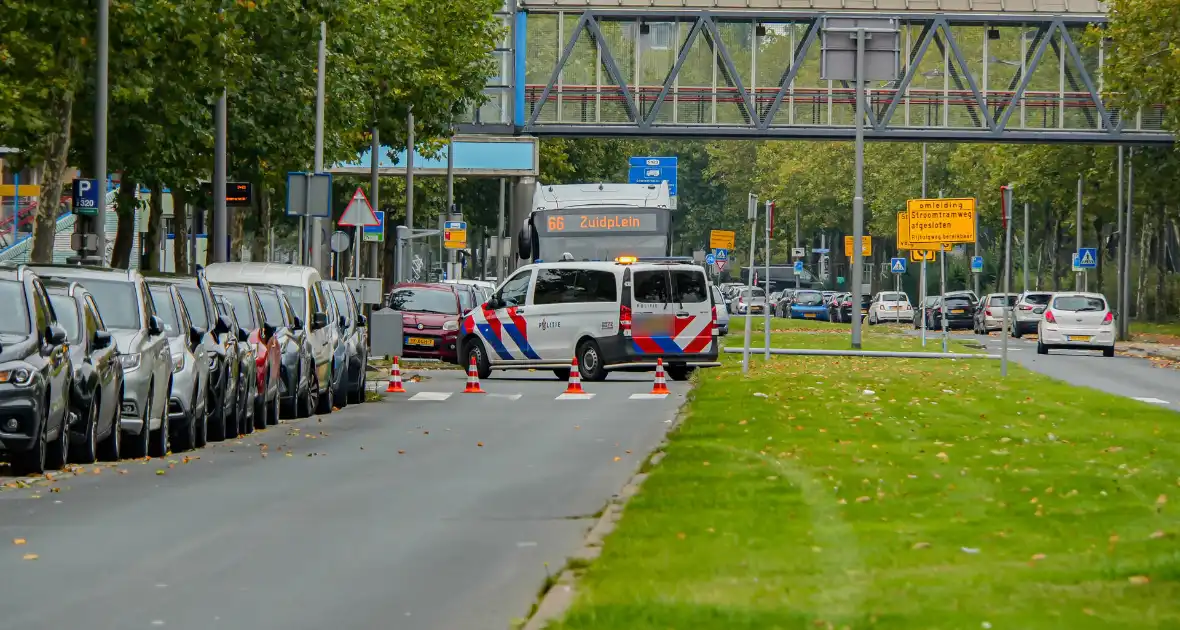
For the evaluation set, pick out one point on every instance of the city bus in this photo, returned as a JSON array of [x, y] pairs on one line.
[[597, 222]]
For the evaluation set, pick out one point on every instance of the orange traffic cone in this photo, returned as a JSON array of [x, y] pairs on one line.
[[575, 383], [473, 379], [660, 386], [395, 379]]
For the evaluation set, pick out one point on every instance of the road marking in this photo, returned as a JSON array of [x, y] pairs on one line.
[[506, 396], [431, 396], [1154, 401], [648, 396], [575, 397], [527, 543]]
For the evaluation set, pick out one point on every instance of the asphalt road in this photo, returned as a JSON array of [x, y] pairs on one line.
[[1132, 377], [414, 513]]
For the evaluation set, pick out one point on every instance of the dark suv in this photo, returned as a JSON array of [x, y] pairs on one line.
[[35, 376]]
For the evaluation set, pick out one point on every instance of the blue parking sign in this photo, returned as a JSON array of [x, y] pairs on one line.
[[798, 266], [86, 196], [977, 264]]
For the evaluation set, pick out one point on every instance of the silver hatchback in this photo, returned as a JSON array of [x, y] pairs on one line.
[[188, 401]]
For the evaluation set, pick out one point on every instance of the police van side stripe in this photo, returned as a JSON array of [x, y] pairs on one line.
[[493, 340]]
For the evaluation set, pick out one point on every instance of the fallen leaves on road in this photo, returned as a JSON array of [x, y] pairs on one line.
[[19, 541], [479, 444], [617, 458], [160, 471], [30, 556], [401, 452]]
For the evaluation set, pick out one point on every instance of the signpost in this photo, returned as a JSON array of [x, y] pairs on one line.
[[798, 252], [866, 246], [721, 239], [357, 215], [309, 195], [977, 264], [455, 234], [86, 193]]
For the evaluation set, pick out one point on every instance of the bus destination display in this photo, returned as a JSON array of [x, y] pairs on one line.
[[600, 222]]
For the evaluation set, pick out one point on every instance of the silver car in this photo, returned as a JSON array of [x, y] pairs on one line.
[[752, 298], [188, 410], [1030, 308], [1077, 320], [127, 309], [720, 310], [991, 311]]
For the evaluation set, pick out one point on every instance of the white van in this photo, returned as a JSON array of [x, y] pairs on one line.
[[306, 292], [611, 315]]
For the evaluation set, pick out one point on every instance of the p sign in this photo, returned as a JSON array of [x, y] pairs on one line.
[[86, 197]]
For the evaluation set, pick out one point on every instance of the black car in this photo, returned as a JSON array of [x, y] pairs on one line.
[[295, 364], [197, 295], [354, 332], [840, 308], [920, 310], [959, 313], [97, 393], [35, 376]]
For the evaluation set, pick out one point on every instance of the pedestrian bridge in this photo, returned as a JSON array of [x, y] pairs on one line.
[[972, 70]]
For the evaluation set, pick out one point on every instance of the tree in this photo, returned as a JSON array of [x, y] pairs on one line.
[[1142, 65]]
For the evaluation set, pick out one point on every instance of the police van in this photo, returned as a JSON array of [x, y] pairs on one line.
[[621, 315]]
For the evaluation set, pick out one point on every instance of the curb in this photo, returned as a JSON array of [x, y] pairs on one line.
[[555, 601]]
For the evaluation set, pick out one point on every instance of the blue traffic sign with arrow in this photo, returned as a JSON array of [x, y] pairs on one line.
[[710, 259], [798, 266]]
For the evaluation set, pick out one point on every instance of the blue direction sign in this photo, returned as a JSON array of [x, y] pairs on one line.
[[710, 259], [375, 233], [977, 264], [897, 265], [1088, 258], [820, 250], [86, 196], [721, 254], [798, 266], [653, 170]]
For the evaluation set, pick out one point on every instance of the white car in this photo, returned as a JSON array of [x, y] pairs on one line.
[[1077, 320], [1030, 308], [891, 306], [719, 310], [991, 312]]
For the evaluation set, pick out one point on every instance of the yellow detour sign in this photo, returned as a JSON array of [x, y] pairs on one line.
[[866, 246], [918, 255], [903, 237], [721, 239], [941, 221]]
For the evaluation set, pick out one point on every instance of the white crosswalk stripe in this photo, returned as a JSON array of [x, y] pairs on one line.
[[431, 396], [574, 397], [648, 396]]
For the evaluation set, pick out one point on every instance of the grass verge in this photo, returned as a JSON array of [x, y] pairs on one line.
[[837, 492]]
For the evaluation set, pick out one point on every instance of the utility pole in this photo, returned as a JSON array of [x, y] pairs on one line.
[[766, 309], [942, 291], [796, 244], [452, 265], [500, 261], [1120, 282], [1006, 209], [1079, 282], [922, 276], [858, 195], [1125, 318], [374, 181], [1026, 288], [317, 241], [98, 224], [220, 234], [752, 216], [404, 256]]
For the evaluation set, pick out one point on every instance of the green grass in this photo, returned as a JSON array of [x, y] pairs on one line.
[[1160, 333], [795, 498]]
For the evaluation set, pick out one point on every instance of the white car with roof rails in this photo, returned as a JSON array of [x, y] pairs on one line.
[[1077, 320], [621, 315]]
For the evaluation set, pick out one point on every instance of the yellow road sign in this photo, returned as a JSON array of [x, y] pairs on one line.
[[941, 221], [721, 239], [918, 255], [455, 239], [866, 246], [26, 190], [903, 237]]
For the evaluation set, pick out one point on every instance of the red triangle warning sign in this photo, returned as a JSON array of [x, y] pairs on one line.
[[358, 213]]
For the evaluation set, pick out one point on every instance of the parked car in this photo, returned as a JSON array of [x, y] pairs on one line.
[[356, 340], [129, 313], [990, 313], [752, 298], [719, 310], [893, 306], [263, 401], [809, 305], [197, 296], [305, 291], [35, 376], [965, 293], [958, 313], [1077, 320], [295, 365], [840, 308], [339, 349], [1030, 309], [921, 311], [188, 418], [430, 320], [241, 420], [97, 392]]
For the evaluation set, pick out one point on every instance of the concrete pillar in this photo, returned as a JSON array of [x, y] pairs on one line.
[[522, 200]]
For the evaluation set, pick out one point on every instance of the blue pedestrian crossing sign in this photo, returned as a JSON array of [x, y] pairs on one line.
[[1088, 258], [721, 255], [798, 266], [977, 264], [897, 265], [710, 259]]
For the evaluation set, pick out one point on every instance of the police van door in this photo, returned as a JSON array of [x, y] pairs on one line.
[[569, 305], [505, 330], [671, 312]]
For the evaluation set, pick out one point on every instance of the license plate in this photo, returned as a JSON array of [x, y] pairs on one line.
[[956, 311], [864, 311], [419, 341], [1079, 337], [809, 316]]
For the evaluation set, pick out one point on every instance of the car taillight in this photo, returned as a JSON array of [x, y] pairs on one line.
[[848, 304], [1109, 318], [714, 315], [624, 317], [1026, 307], [1049, 317], [987, 311]]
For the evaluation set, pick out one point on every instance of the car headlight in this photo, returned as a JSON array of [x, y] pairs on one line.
[[16, 376], [451, 325], [130, 361], [177, 363]]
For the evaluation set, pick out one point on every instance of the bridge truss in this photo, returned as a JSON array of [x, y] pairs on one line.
[[1032, 76]]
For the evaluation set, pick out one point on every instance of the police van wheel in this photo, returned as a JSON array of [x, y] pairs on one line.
[[476, 351], [590, 361]]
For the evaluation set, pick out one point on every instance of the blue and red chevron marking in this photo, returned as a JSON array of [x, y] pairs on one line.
[[493, 331], [497, 345]]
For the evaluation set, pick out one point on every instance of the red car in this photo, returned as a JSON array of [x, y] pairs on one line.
[[268, 355], [430, 320]]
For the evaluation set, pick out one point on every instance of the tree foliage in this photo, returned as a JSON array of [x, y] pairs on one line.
[[1142, 68]]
